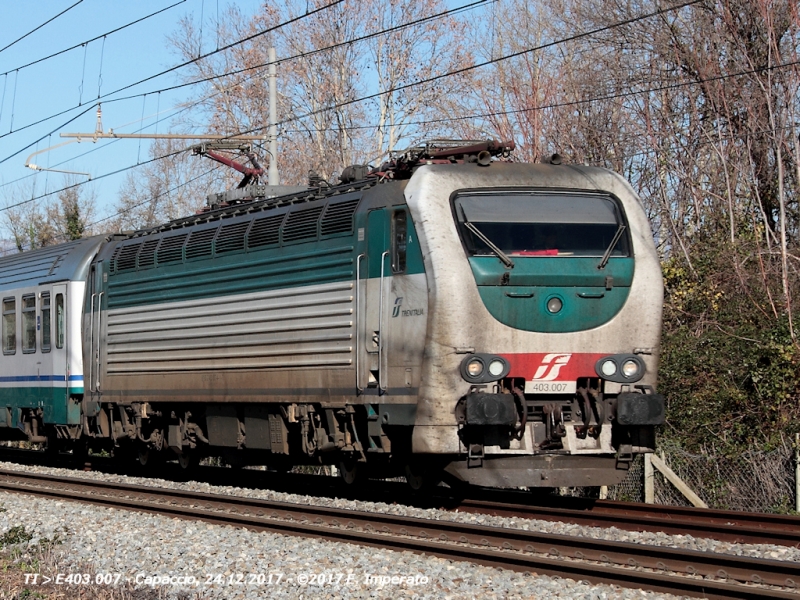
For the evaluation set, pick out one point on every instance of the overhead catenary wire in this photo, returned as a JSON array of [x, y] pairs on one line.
[[399, 88], [579, 101], [94, 39], [170, 70], [238, 71], [129, 209], [38, 27], [400, 27], [97, 148], [80, 183]]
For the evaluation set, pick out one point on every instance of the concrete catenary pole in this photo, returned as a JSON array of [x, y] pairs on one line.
[[272, 175]]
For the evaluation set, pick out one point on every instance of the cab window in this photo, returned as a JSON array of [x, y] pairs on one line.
[[541, 224], [399, 241]]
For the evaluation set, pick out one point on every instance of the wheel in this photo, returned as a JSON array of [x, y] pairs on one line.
[[146, 455], [351, 471], [187, 460]]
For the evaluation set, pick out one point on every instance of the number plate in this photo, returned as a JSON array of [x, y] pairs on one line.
[[550, 387]]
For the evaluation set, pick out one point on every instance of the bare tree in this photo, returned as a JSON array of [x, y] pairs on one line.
[[174, 186]]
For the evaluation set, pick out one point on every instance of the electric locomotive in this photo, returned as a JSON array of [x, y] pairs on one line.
[[450, 315]]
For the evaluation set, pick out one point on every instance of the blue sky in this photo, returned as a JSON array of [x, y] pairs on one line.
[[62, 83]]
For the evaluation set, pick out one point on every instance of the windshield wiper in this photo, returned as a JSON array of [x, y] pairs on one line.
[[500, 254], [613, 243]]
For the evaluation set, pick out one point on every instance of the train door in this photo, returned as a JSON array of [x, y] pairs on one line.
[[394, 307], [374, 272], [58, 342], [91, 366]]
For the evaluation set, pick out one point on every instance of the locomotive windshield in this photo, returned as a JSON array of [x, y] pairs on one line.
[[540, 224]]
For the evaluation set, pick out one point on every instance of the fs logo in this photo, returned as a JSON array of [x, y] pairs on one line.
[[397, 304], [553, 362]]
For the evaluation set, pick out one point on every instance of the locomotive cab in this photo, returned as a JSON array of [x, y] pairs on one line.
[[547, 288]]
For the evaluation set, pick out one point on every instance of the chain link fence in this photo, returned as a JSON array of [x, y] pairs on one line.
[[754, 481]]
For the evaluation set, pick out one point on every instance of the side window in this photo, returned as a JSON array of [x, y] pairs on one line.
[[60, 321], [29, 324], [45, 322], [399, 241], [9, 325]]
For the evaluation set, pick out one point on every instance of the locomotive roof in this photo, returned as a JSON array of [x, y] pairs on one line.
[[64, 262], [256, 205]]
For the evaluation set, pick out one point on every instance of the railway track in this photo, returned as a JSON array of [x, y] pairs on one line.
[[676, 571], [729, 526]]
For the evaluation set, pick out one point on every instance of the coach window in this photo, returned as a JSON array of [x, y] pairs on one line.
[[9, 325], [45, 322], [60, 321], [28, 324], [399, 241]]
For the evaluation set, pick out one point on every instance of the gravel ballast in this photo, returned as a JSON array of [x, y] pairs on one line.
[[229, 562], [769, 551], [152, 552]]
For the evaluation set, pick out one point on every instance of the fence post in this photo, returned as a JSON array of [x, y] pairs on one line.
[[797, 472], [649, 482]]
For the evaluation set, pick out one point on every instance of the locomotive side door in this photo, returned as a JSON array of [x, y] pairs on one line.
[[374, 271], [91, 366]]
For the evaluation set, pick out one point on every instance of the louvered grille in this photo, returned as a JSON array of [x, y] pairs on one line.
[[265, 231], [126, 259], [199, 243], [338, 218], [301, 224], [114, 258], [231, 237], [170, 249], [147, 255]]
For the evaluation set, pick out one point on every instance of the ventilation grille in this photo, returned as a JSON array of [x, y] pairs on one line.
[[113, 262], [126, 259], [199, 243], [301, 224], [170, 249], [265, 231], [147, 255], [338, 218], [231, 237]]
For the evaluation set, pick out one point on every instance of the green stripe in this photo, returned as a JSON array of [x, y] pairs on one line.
[[311, 263], [57, 409]]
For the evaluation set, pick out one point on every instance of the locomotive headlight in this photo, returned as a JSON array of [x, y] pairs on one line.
[[496, 368], [484, 368], [608, 368], [630, 369], [620, 368], [475, 367]]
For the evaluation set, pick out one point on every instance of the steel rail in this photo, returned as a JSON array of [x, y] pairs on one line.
[[598, 561], [728, 526]]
